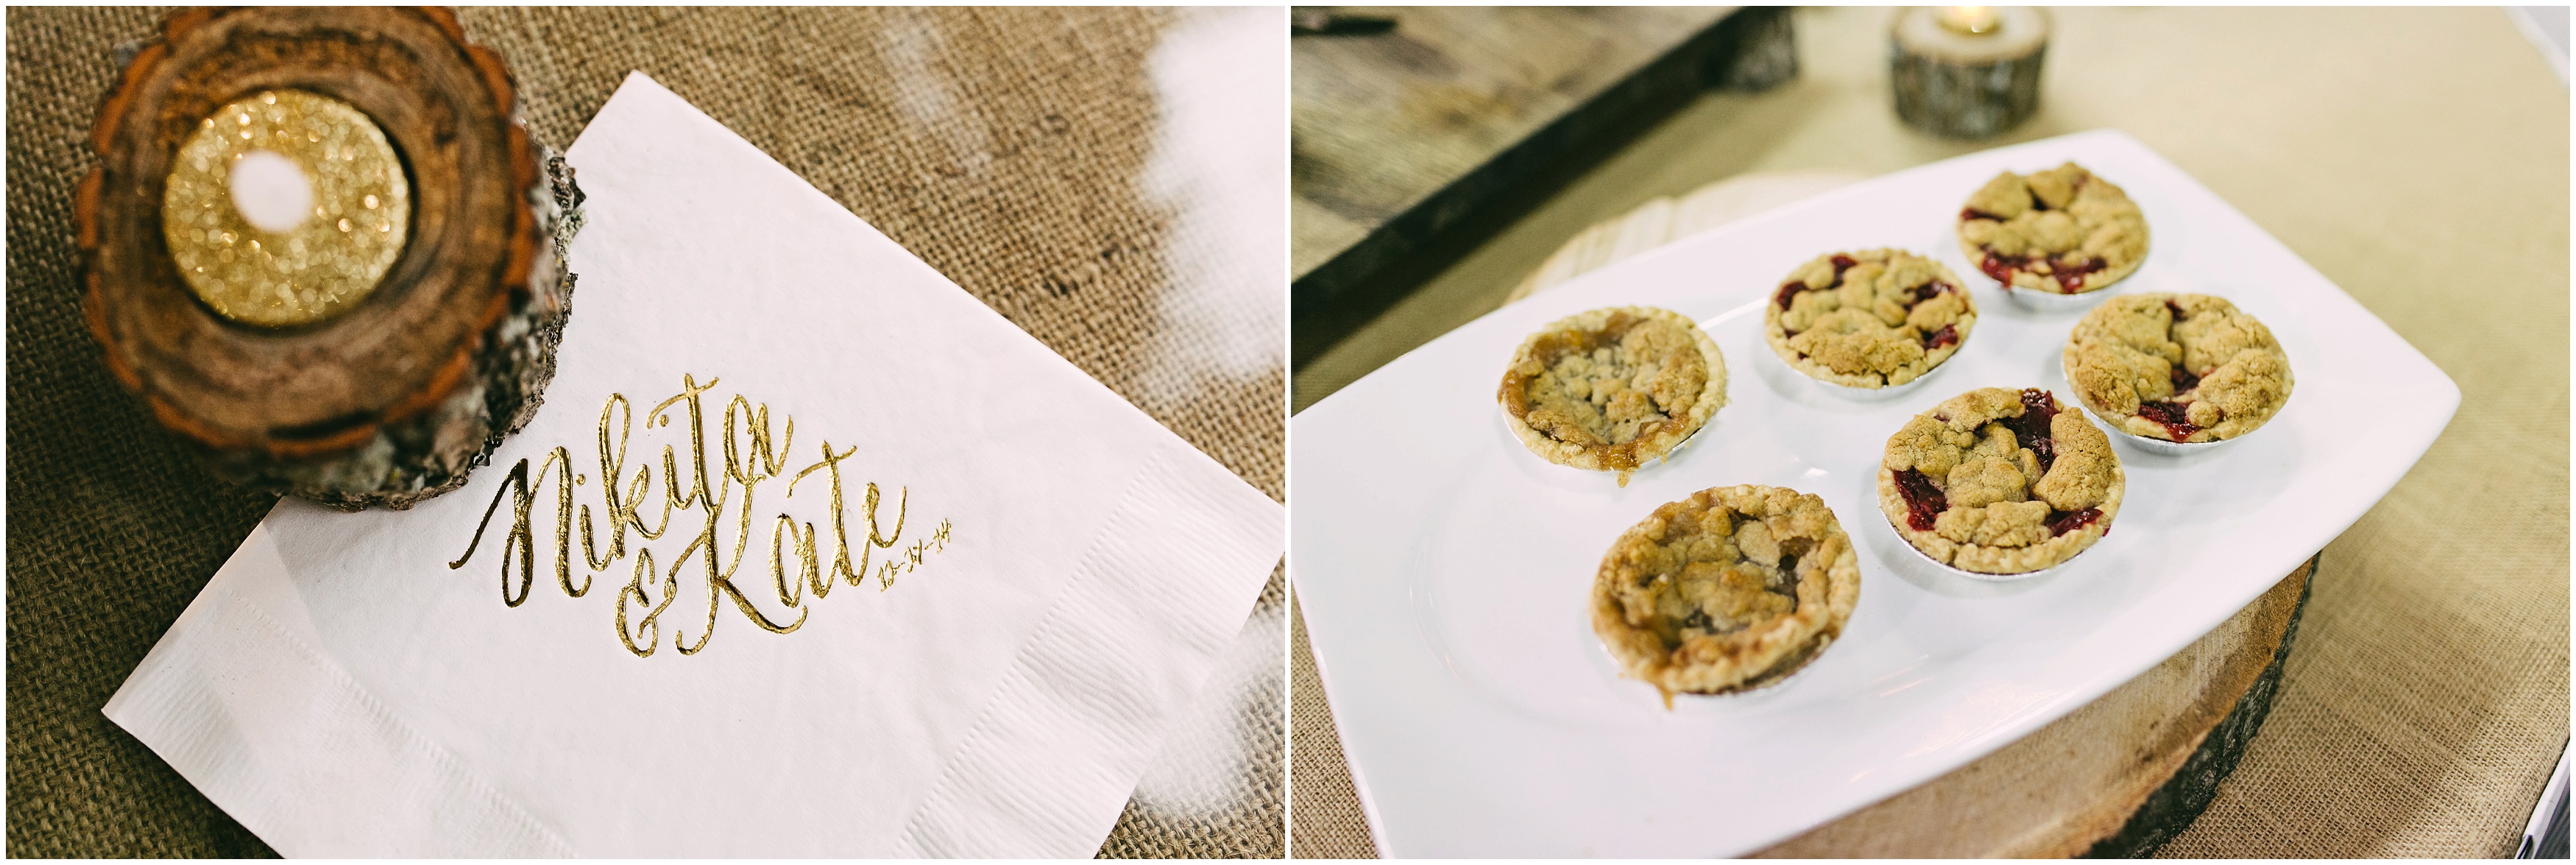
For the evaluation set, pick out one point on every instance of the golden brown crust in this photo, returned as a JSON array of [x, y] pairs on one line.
[[2061, 231], [1611, 389], [1869, 319], [1975, 485], [1731, 589], [2177, 367]]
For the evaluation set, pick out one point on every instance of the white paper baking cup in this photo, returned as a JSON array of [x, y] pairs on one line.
[[1766, 689], [1857, 394], [2031, 298], [1974, 575], [1686, 702], [2047, 301]]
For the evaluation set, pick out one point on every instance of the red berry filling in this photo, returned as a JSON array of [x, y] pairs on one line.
[[2182, 378], [1949, 333], [2031, 428], [2061, 522], [1923, 501], [1789, 290], [2175, 417], [1998, 267], [2069, 272]]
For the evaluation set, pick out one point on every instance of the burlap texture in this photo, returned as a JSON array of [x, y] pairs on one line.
[[1326, 821], [1005, 147], [2419, 158]]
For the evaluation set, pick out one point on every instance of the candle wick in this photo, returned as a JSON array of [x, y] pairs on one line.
[[1971, 20], [271, 191]]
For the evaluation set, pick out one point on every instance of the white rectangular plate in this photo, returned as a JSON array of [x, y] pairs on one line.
[[1444, 569]]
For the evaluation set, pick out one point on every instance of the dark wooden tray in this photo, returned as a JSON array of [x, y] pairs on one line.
[[1414, 144]]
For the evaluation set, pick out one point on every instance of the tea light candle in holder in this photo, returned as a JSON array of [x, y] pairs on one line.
[[321, 250], [1967, 71]]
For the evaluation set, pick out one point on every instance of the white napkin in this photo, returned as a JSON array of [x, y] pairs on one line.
[[1066, 573]]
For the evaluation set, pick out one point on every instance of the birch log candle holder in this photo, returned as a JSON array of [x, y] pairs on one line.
[[322, 251], [1967, 71]]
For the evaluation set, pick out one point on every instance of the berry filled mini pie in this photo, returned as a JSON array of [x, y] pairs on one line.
[[2061, 231], [1869, 319], [1729, 590], [1610, 389], [1999, 481], [2177, 367]]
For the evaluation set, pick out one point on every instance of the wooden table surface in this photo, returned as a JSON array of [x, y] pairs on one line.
[[1380, 122]]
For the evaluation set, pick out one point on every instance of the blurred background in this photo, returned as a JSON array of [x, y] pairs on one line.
[[1445, 161]]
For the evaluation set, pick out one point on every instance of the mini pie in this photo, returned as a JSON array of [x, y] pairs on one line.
[[2062, 231], [1999, 481], [2178, 367], [1729, 590], [1610, 389], [1869, 319]]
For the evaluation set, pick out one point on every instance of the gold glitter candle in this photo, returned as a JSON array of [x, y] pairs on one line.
[[322, 252], [330, 258]]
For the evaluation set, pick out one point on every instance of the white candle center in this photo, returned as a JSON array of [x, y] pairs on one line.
[[271, 192]]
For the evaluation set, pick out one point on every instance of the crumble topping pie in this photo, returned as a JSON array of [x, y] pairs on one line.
[[1611, 389], [1999, 481], [2062, 231], [1731, 589], [2177, 367], [1869, 319]]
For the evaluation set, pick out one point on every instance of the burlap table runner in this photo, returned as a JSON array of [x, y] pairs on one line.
[[2419, 158], [1005, 147]]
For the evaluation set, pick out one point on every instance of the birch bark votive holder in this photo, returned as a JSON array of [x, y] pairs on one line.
[[1968, 72]]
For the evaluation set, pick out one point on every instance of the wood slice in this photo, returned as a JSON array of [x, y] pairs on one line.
[[1956, 87], [2117, 778], [396, 397], [2188, 791]]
